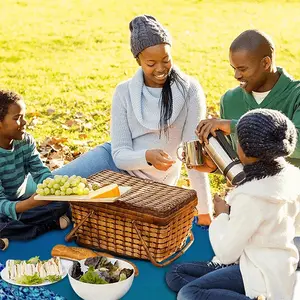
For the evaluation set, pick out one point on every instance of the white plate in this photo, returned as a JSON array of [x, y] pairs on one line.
[[66, 264], [85, 198]]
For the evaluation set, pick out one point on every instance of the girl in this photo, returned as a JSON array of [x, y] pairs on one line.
[[254, 238]]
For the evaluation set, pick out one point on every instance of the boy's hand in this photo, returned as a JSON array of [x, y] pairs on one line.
[[159, 159], [205, 127], [30, 203], [220, 205]]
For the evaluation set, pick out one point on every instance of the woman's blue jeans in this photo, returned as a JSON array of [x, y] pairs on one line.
[[91, 162], [206, 281]]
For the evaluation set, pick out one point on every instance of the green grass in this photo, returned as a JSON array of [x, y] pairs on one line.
[[70, 54]]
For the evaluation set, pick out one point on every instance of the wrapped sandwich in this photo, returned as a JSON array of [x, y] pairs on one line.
[[34, 270]]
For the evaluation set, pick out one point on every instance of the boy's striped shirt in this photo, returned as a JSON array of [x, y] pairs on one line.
[[15, 165]]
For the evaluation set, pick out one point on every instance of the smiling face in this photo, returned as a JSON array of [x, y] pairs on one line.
[[156, 62], [12, 127], [250, 70]]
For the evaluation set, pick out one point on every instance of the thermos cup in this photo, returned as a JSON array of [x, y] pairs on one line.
[[193, 153]]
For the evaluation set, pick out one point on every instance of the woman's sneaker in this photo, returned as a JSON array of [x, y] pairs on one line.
[[64, 222]]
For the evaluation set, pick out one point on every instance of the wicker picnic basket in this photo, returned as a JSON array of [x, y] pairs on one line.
[[150, 221]]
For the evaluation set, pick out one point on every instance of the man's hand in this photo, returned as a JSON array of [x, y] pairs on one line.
[[220, 206], [207, 166], [205, 127], [159, 159]]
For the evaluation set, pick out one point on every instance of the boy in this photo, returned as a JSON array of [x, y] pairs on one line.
[[22, 217]]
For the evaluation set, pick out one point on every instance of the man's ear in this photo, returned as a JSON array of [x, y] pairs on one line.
[[267, 62], [138, 61]]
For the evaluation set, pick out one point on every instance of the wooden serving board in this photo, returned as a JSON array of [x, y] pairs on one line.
[[83, 198]]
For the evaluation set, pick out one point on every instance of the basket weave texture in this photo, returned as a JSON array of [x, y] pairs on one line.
[[152, 215]]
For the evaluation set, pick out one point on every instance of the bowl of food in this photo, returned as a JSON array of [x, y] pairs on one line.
[[109, 277]]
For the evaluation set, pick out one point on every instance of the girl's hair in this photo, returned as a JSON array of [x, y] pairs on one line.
[[166, 99], [6, 99]]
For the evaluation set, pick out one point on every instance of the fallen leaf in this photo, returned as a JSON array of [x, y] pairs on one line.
[[50, 111], [33, 123], [78, 115], [56, 163], [83, 136], [88, 125], [70, 123]]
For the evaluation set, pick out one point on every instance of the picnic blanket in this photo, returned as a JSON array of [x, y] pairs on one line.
[[149, 285]]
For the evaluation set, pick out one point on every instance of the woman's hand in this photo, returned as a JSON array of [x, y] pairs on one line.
[[159, 159], [205, 127], [220, 205]]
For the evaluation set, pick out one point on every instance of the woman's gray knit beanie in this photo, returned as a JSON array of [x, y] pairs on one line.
[[146, 31]]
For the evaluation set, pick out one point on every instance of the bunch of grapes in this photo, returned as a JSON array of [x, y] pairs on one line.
[[63, 186]]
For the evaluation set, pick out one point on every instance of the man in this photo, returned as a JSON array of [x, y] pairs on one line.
[[262, 85]]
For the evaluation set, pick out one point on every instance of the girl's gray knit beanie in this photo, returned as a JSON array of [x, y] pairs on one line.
[[266, 134]]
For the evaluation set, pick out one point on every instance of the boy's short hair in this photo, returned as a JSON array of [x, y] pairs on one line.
[[6, 99]]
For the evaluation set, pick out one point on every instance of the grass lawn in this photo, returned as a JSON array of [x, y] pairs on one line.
[[66, 56]]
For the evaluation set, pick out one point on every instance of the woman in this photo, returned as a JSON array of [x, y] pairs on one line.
[[152, 114], [256, 257]]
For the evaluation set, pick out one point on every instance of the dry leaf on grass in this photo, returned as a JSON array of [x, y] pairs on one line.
[[55, 153]]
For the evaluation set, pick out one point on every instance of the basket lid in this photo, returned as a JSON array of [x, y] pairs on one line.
[[146, 196]]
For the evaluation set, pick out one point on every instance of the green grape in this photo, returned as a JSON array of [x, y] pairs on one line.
[[67, 184], [95, 186], [81, 185], [62, 193], [40, 186], [69, 191], [50, 184], [72, 177], [57, 178], [75, 190], [46, 191], [56, 186], [79, 191], [62, 188], [65, 177], [52, 191], [40, 191], [86, 191], [74, 183], [84, 180], [44, 185], [57, 193], [47, 180]]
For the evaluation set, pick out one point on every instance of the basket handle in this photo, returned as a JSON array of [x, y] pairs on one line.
[[168, 261], [70, 235]]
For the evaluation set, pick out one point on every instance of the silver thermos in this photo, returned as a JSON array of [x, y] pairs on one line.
[[226, 159]]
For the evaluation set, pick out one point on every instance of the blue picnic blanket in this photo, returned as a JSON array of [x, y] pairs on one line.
[[149, 285]]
